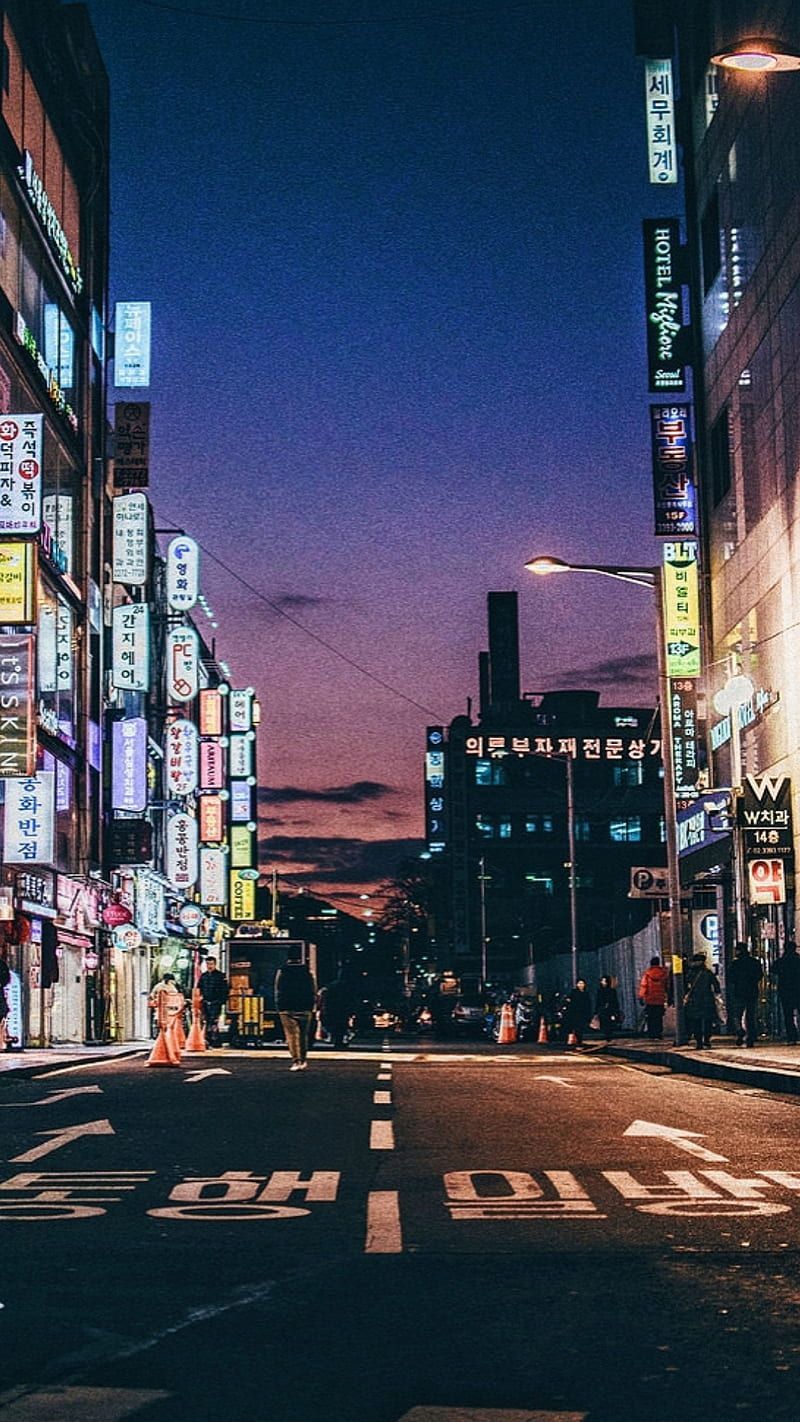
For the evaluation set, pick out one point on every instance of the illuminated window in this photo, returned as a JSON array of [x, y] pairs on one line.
[[628, 774], [626, 830], [485, 826], [583, 827], [504, 829], [538, 824], [490, 772]]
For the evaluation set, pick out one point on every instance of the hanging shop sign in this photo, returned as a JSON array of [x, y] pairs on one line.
[[212, 765], [132, 326], [764, 811], [64, 624], [704, 834], [662, 150], [681, 609], [115, 914], [130, 647], [183, 664], [131, 444], [685, 740], [747, 713], [435, 836], [49, 222], [17, 581], [674, 491], [210, 712], [36, 891], [241, 801], [190, 916], [213, 876], [58, 521], [29, 819], [766, 881], [664, 305], [242, 842], [211, 811], [181, 758], [151, 903], [183, 573], [46, 647], [17, 723], [130, 842], [130, 552], [127, 938], [240, 755], [21, 473], [242, 896], [240, 710], [129, 765], [182, 862]]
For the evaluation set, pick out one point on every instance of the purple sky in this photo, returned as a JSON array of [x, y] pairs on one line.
[[398, 318]]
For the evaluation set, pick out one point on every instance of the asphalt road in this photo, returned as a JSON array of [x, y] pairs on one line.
[[397, 1234]]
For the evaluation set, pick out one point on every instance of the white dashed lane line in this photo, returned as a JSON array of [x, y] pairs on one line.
[[381, 1135], [382, 1098], [384, 1231]]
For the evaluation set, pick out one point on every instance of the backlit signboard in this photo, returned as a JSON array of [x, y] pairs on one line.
[[241, 801], [662, 149], [130, 563], [132, 344], [210, 713], [681, 609], [183, 664], [435, 790], [212, 765], [17, 580], [242, 841], [129, 765], [704, 834], [58, 516], [213, 876], [211, 810], [674, 491], [29, 819], [130, 647], [181, 758], [240, 755], [17, 726], [766, 881], [765, 818], [182, 859], [183, 573], [131, 444], [240, 710], [63, 646], [685, 741], [664, 305], [242, 896], [20, 473]]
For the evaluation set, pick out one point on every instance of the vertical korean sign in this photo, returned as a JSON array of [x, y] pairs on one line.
[[132, 344], [664, 305], [130, 563], [131, 444], [434, 790], [17, 581], [20, 473], [662, 152], [674, 491], [29, 818], [681, 609], [129, 765], [17, 729], [130, 647]]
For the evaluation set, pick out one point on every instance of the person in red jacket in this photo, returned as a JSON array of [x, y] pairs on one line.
[[653, 995]]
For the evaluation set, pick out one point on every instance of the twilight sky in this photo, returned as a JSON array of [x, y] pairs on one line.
[[394, 254]]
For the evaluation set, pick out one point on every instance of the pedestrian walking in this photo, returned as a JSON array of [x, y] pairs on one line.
[[699, 1000], [5, 979], [744, 978], [787, 976], [577, 1012], [214, 994], [295, 991], [335, 1007], [654, 995], [607, 1008]]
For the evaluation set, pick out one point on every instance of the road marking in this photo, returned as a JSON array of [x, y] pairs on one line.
[[487, 1414], [82, 1066], [62, 1137], [59, 1096], [560, 1080], [209, 1071], [384, 1076], [677, 1137], [385, 1066], [384, 1230], [75, 1404], [382, 1098], [381, 1135]]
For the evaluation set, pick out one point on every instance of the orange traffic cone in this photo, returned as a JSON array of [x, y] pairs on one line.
[[162, 1054], [196, 1040], [508, 1030], [179, 1033], [544, 1036], [172, 1044]]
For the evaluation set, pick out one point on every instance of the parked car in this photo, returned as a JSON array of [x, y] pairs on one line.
[[466, 1019]]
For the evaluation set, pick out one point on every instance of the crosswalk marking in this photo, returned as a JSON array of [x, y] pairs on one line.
[[77, 1404]]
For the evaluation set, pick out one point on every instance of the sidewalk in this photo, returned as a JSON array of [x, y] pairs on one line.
[[35, 1059], [773, 1066]]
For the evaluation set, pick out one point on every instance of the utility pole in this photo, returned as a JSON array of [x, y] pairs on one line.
[[483, 878]]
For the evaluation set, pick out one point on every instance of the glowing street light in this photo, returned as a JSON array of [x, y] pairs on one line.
[[649, 578], [758, 55]]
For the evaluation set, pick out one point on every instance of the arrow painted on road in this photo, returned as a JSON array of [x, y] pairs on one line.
[[59, 1096], [211, 1071], [684, 1140], [560, 1080], [62, 1137]]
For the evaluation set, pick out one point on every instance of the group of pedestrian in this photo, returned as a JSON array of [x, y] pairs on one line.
[[579, 1011]]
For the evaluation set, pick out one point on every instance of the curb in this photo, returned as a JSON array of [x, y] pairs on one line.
[[767, 1078], [68, 1063]]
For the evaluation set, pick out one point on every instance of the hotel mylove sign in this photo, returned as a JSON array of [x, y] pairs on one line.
[[663, 262]]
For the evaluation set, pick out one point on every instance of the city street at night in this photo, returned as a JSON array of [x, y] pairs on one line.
[[422, 1233]]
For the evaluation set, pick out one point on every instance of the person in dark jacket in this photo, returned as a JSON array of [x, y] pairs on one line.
[[336, 1005], [744, 978], [295, 992], [607, 1008], [214, 993], [577, 1013], [787, 975], [701, 1009]]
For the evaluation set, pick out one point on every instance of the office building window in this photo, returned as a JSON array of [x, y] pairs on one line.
[[504, 828], [628, 774], [626, 830], [490, 772], [538, 824], [720, 457]]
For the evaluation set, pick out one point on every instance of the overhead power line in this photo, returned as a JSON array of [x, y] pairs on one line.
[[442, 16]]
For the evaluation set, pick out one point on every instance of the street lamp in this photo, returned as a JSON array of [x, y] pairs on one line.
[[649, 578], [758, 55]]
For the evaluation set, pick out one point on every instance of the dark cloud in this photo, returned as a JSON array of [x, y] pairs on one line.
[[337, 860], [640, 670], [356, 793], [299, 602]]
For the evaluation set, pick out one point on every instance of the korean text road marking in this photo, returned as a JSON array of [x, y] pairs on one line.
[[686, 1194], [384, 1231], [65, 1195], [516, 1195], [240, 1195]]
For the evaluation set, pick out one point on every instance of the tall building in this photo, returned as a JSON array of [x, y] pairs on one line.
[[735, 144], [536, 813], [53, 283]]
